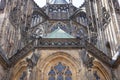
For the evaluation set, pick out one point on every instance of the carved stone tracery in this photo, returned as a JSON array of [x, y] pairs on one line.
[[61, 71]]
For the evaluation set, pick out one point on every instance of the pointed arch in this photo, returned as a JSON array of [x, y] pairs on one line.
[[45, 65], [102, 70], [18, 69]]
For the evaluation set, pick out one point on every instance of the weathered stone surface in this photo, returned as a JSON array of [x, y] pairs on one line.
[[2, 72], [26, 53]]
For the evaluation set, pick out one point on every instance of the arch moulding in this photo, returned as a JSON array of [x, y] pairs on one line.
[[44, 66], [99, 67]]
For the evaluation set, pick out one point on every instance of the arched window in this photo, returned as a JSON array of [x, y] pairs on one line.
[[60, 72]]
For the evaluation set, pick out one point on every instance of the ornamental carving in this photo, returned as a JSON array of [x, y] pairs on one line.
[[106, 16], [38, 32]]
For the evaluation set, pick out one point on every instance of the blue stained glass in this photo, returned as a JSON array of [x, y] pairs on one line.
[[60, 67], [52, 72], [60, 72], [51, 78], [68, 78], [51, 75], [60, 77], [68, 72]]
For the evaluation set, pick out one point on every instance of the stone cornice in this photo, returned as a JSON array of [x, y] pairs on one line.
[[21, 54], [61, 44], [98, 54]]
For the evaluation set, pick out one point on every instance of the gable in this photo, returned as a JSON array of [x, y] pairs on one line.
[[58, 33]]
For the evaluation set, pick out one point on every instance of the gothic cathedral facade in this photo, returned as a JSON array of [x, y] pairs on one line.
[[59, 41]]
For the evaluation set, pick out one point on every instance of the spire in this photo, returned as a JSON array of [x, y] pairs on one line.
[[59, 2]]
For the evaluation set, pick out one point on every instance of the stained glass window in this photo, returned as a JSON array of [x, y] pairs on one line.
[[68, 74], [51, 74], [60, 72]]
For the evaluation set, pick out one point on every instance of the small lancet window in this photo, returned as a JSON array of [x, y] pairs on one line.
[[68, 74], [51, 74]]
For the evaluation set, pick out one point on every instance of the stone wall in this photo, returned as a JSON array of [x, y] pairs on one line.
[[51, 58], [2, 72], [12, 24], [116, 73]]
